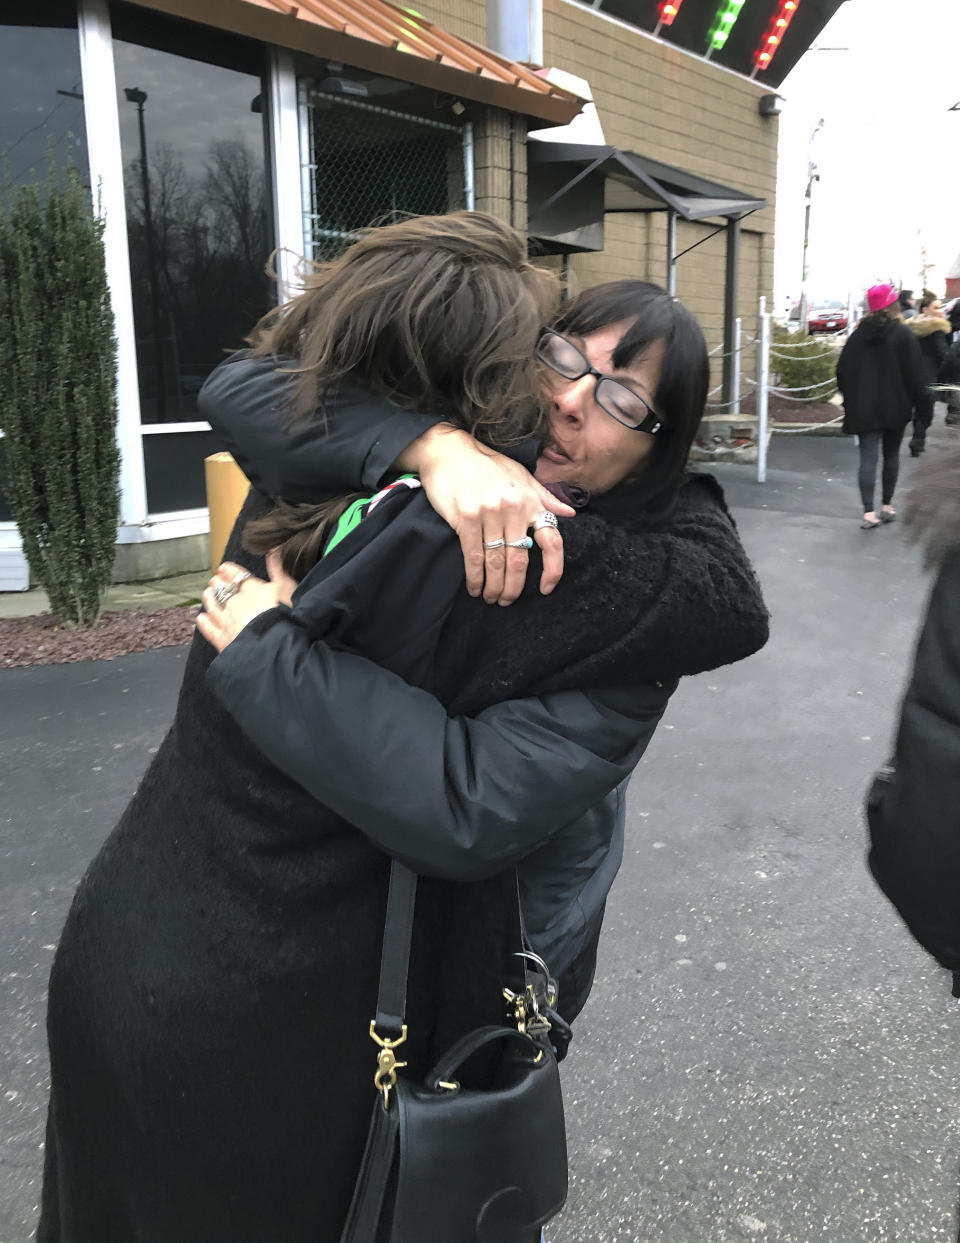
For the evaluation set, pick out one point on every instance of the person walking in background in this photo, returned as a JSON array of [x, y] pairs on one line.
[[881, 378], [933, 331], [907, 307], [912, 803]]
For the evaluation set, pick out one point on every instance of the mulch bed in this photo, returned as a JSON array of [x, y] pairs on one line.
[[43, 639], [780, 410]]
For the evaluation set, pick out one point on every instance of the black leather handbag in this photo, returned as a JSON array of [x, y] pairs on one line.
[[447, 1164]]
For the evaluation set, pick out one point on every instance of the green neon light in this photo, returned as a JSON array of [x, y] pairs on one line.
[[724, 22]]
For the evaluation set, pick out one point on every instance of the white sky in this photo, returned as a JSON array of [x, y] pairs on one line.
[[888, 153]]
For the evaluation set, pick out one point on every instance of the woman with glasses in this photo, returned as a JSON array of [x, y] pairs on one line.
[[210, 1004], [620, 353]]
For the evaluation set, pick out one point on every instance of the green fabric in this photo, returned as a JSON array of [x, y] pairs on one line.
[[352, 516]]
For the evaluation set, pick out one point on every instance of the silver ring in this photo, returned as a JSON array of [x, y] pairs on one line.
[[494, 543], [526, 542], [546, 519], [224, 591]]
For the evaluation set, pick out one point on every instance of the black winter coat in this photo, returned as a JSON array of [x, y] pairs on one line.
[[913, 808], [933, 335], [881, 377]]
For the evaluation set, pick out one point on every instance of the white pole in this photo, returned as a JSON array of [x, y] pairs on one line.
[[285, 146], [737, 337], [106, 184], [468, 182], [763, 386]]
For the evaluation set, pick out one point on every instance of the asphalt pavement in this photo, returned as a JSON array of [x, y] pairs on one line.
[[766, 1055]]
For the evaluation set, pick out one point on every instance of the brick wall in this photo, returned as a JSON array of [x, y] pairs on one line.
[[499, 149], [466, 18], [664, 104]]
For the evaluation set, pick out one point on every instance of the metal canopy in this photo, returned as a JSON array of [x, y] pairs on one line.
[[636, 183], [571, 186]]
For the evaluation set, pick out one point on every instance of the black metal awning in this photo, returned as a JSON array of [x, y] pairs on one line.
[[569, 181], [572, 186]]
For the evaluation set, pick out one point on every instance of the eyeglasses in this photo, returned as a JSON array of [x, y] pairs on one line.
[[618, 400]]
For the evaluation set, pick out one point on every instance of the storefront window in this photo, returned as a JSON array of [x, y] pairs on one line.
[[41, 100], [192, 133]]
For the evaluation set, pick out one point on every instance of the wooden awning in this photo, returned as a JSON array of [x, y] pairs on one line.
[[385, 39]]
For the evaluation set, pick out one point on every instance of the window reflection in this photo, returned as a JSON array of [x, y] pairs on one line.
[[41, 102], [196, 195]]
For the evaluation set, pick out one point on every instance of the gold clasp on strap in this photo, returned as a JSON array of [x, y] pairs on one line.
[[526, 1012], [387, 1064]]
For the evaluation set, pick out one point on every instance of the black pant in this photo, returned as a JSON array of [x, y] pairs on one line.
[[922, 418], [870, 442]]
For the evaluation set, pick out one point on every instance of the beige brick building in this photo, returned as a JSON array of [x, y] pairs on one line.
[[673, 107]]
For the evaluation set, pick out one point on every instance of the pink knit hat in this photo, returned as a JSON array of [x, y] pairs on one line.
[[881, 296]]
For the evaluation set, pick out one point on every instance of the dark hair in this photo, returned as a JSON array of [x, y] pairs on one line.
[[439, 314], [877, 324], [653, 315], [434, 313], [904, 297], [928, 299]]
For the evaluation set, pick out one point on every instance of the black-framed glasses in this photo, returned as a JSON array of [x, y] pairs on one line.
[[612, 396]]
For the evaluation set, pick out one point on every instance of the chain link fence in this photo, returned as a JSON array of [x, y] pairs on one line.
[[367, 164]]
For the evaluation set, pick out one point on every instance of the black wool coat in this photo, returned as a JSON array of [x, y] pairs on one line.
[[881, 377], [211, 1068]]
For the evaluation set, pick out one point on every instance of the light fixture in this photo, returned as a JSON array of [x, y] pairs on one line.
[[723, 23], [775, 32], [668, 11], [770, 105]]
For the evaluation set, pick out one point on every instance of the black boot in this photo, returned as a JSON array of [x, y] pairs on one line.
[[917, 447]]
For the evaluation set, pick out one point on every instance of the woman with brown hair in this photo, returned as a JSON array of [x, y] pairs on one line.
[[212, 993]]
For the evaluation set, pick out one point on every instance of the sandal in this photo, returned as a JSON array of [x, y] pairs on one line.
[[888, 515], [869, 526]]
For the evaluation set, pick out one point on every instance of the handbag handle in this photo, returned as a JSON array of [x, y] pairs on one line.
[[467, 1045]]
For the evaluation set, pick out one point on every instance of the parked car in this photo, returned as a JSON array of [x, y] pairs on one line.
[[830, 316]]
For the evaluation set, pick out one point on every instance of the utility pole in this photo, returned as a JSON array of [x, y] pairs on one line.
[[812, 176]]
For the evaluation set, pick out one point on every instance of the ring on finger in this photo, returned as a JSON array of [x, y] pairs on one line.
[[494, 543], [526, 542], [546, 519]]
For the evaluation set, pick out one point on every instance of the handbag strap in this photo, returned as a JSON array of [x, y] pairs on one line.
[[395, 954]]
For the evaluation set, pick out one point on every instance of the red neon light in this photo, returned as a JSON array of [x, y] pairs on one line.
[[775, 32], [670, 8]]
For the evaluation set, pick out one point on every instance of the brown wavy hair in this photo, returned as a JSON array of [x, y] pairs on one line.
[[433, 313], [439, 314]]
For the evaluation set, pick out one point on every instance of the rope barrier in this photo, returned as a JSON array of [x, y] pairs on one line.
[[802, 388], [783, 358], [808, 427], [723, 405], [786, 397]]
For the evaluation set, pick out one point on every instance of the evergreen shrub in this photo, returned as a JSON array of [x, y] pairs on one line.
[[808, 361], [58, 405]]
